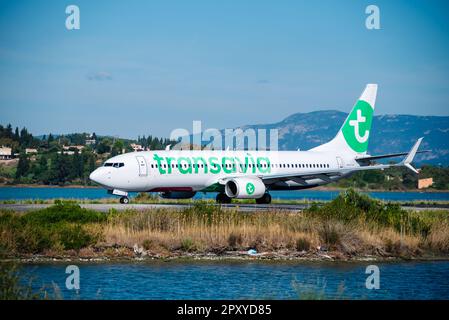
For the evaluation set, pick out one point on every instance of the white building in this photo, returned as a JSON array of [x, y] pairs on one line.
[[30, 150], [90, 142], [136, 147], [5, 153], [72, 148]]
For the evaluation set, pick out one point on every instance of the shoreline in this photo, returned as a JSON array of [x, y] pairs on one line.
[[235, 257], [352, 227], [73, 186]]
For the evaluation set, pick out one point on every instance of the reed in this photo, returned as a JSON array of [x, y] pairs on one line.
[[351, 225]]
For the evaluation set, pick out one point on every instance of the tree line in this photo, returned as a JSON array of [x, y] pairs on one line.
[[398, 178], [55, 165], [56, 168]]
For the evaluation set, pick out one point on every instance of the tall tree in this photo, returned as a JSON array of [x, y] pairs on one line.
[[90, 165], [16, 134], [77, 165], [8, 131], [23, 166]]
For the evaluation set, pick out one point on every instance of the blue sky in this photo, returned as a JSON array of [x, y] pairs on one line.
[[147, 67]]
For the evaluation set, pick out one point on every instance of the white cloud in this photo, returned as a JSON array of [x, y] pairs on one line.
[[99, 76]]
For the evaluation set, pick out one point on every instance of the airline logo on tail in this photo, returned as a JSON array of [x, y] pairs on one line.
[[357, 126]]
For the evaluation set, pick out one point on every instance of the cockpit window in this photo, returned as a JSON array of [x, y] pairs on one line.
[[115, 165]]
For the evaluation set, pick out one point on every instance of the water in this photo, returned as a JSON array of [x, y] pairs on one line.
[[21, 193], [246, 280]]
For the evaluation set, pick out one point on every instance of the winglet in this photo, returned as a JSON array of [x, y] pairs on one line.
[[411, 155]]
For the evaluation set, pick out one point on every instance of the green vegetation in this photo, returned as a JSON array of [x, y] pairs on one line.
[[63, 226], [11, 283], [396, 179], [69, 159], [351, 206], [18, 141], [15, 284], [352, 225], [63, 159]]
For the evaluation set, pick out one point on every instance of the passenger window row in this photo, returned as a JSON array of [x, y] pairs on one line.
[[260, 165]]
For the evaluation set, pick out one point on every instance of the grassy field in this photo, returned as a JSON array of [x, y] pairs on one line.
[[352, 226]]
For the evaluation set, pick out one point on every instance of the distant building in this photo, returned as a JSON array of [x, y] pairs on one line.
[[68, 152], [90, 142], [425, 183], [30, 150], [136, 147], [72, 148], [5, 153]]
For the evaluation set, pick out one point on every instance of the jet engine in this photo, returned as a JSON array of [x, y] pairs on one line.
[[245, 188]]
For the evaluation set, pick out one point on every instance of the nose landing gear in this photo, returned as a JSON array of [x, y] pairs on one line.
[[123, 194], [124, 200]]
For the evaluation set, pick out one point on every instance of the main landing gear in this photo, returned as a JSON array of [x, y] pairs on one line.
[[265, 199], [223, 198], [124, 200]]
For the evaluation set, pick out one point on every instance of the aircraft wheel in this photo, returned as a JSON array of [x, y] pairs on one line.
[[124, 200], [265, 199], [223, 198]]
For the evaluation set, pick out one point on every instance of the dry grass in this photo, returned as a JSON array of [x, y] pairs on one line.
[[349, 226], [209, 229]]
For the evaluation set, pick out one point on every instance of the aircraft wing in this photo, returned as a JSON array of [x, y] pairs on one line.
[[326, 175], [302, 177], [389, 155]]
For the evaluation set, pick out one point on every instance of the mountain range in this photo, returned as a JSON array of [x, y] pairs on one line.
[[389, 133]]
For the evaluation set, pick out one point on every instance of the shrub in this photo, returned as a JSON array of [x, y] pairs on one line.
[[188, 245], [64, 211], [201, 210], [59, 226], [74, 236], [302, 244], [144, 197], [11, 283], [234, 240], [350, 206], [147, 244], [329, 234]]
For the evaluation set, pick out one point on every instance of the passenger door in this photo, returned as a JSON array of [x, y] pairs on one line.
[[143, 168], [340, 162]]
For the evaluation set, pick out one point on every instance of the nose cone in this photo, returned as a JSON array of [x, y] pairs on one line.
[[98, 176]]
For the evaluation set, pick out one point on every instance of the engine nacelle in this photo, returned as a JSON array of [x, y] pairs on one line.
[[177, 194], [245, 188]]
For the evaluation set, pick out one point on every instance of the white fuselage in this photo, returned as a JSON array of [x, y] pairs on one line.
[[250, 174], [199, 170]]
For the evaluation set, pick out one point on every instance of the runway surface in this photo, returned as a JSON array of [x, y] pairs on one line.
[[241, 207], [121, 207]]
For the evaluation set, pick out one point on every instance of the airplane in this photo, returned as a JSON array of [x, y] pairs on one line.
[[180, 174]]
